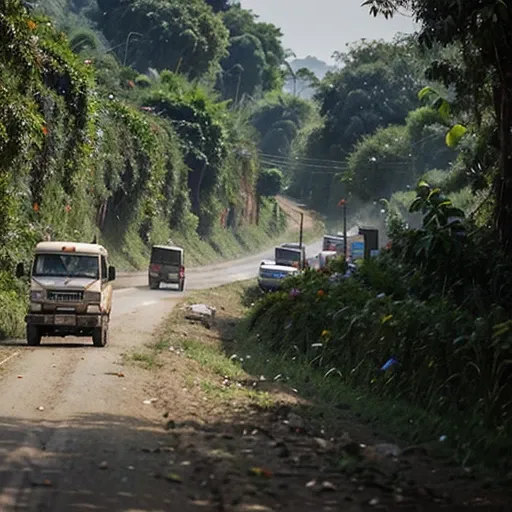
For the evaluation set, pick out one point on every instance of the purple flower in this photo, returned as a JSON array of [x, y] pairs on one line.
[[294, 292]]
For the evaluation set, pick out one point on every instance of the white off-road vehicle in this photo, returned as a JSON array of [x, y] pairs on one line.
[[70, 292]]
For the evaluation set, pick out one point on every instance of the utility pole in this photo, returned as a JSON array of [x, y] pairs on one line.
[[301, 230], [343, 204], [301, 236]]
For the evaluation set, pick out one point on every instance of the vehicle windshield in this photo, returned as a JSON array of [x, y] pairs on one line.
[[165, 256], [66, 265], [331, 243], [288, 255]]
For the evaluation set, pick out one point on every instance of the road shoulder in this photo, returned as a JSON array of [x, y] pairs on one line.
[[243, 439]]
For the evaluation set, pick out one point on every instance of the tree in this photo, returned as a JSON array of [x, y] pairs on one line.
[[242, 23], [381, 164], [219, 5], [278, 119], [482, 28], [302, 78], [244, 67], [377, 87], [166, 34], [270, 182]]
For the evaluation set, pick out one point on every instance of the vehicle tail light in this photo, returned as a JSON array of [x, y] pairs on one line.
[[182, 271], [155, 267]]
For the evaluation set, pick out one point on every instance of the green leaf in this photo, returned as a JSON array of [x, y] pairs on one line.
[[426, 92], [433, 192], [455, 134], [416, 205], [444, 109]]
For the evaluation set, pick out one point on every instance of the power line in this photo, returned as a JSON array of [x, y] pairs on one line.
[[304, 161], [314, 166], [319, 160], [277, 162]]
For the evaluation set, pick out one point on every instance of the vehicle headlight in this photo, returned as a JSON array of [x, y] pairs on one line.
[[92, 297], [36, 295], [35, 307]]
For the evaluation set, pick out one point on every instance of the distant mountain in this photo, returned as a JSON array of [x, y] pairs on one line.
[[317, 66]]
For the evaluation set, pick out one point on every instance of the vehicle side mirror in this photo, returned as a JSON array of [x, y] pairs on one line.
[[111, 273], [20, 270]]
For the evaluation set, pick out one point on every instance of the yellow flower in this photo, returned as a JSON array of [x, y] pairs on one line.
[[326, 333], [31, 24]]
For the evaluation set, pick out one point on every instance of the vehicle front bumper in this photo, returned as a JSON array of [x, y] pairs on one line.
[[64, 320]]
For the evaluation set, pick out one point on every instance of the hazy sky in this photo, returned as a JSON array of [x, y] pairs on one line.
[[320, 27]]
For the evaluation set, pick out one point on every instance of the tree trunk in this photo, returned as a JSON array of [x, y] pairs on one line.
[[503, 183]]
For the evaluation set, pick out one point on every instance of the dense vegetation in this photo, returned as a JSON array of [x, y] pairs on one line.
[[125, 132], [421, 127], [173, 125]]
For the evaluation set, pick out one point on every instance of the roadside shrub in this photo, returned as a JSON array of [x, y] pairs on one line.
[[448, 331]]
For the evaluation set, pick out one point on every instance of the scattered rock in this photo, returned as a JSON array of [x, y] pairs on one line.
[[40, 408], [170, 425], [253, 508], [150, 401], [294, 421], [200, 312], [322, 443], [103, 465], [387, 450], [328, 487]]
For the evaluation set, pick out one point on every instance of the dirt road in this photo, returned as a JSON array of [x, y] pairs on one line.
[[75, 431]]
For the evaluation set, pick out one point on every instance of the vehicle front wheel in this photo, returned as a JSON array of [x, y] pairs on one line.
[[154, 284], [33, 335], [100, 335]]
